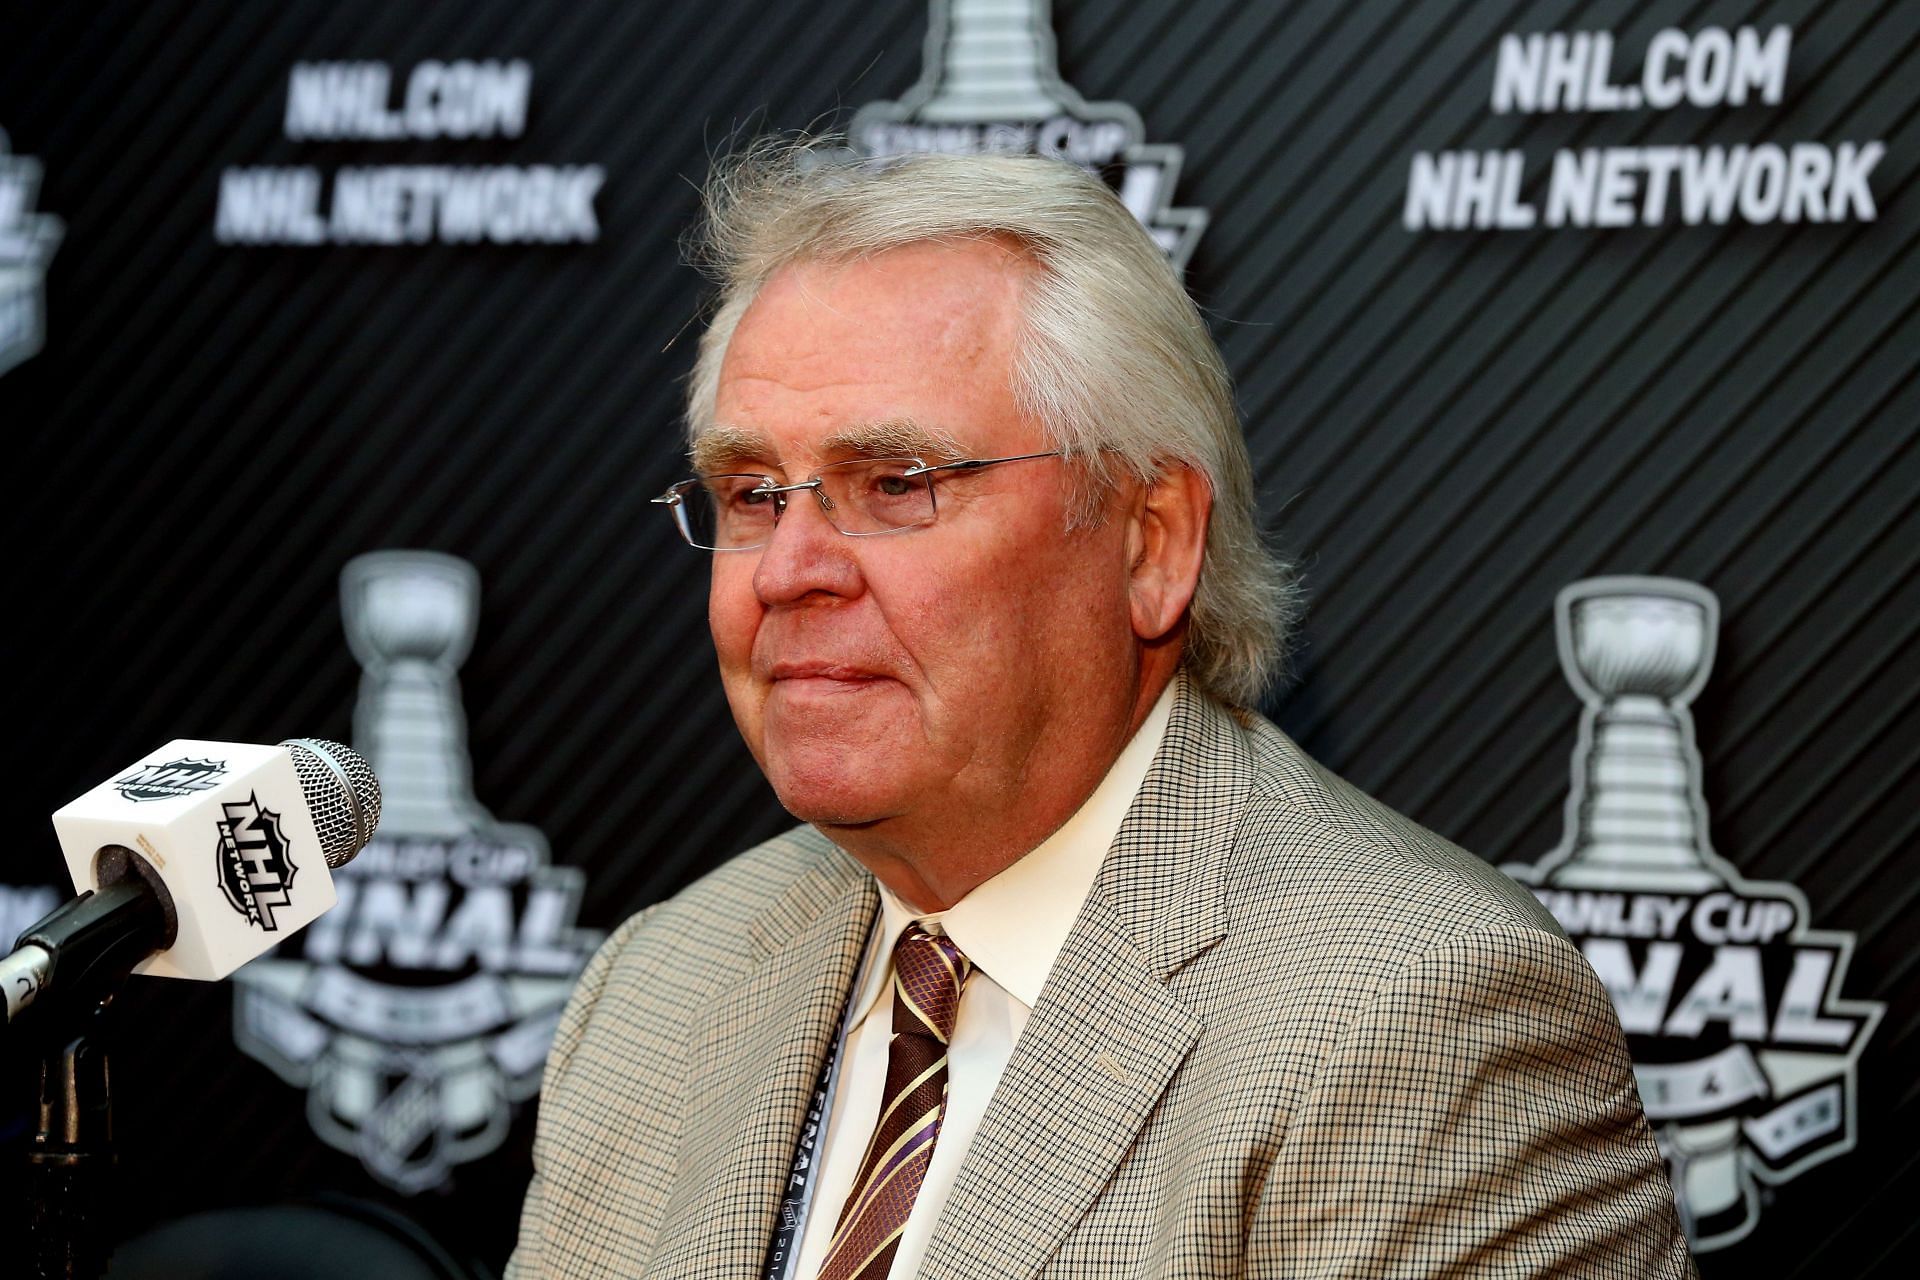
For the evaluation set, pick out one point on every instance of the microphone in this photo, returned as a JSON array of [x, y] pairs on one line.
[[192, 862]]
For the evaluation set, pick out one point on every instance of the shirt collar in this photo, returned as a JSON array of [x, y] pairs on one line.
[[1013, 926]]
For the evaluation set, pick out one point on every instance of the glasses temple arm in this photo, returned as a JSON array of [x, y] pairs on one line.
[[974, 464]]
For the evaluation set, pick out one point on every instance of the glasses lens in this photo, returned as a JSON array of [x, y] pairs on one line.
[[876, 495], [723, 513]]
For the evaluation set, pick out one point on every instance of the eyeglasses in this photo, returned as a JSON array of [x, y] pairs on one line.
[[862, 498]]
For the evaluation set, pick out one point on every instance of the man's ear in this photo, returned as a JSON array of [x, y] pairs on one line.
[[1166, 539]]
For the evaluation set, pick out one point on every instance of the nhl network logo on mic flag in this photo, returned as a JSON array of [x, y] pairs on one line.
[[27, 242], [421, 1009], [991, 83], [256, 867], [1743, 1048]]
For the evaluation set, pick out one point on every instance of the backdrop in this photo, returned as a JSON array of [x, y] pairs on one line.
[[1576, 346]]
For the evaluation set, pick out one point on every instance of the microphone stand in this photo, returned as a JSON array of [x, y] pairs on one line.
[[70, 1165], [93, 944]]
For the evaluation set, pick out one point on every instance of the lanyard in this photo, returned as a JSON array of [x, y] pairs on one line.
[[789, 1227], [784, 1253]]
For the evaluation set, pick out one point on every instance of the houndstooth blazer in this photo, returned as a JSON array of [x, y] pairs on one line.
[[1291, 1034]]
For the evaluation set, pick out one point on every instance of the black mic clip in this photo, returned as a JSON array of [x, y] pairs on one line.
[[92, 944]]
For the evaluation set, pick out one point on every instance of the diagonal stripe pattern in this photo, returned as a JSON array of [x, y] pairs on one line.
[[928, 974]]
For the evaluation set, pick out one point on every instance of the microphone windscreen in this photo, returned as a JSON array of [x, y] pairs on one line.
[[342, 795]]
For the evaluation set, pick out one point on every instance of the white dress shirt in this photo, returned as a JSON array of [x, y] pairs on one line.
[[1012, 927]]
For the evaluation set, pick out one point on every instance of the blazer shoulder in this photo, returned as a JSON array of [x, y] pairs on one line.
[[1307, 828]]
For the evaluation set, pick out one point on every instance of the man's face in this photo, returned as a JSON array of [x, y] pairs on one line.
[[921, 678]]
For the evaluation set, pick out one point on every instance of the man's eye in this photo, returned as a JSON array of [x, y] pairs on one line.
[[739, 493], [893, 486]]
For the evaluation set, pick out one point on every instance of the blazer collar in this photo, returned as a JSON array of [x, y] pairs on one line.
[[832, 884], [756, 1055], [1108, 1033], [1164, 878]]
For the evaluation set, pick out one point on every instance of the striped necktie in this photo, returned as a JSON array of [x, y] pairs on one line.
[[928, 973]]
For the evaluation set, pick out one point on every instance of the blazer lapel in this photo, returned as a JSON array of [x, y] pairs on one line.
[[1108, 1033], [756, 1056], [1100, 1048]]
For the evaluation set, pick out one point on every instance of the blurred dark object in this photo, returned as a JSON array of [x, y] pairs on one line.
[[70, 1164], [321, 1238]]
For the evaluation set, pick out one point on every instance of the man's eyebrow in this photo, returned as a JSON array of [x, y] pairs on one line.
[[720, 448], [891, 438]]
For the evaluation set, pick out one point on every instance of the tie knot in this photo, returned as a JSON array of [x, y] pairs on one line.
[[928, 973]]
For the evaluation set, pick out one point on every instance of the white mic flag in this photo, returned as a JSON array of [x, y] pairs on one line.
[[242, 838]]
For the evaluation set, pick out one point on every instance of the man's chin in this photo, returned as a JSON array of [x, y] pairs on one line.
[[832, 812], [834, 796]]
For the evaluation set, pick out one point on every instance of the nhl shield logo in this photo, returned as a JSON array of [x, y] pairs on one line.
[[1743, 1048], [27, 242], [174, 778], [419, 1011], [256, 871], [991, 84]]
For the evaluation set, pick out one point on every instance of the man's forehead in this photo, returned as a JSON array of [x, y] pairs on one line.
[[906, 353], [934, 292], [727, 444]]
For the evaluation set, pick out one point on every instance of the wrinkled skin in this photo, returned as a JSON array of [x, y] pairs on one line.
[[937, 701]]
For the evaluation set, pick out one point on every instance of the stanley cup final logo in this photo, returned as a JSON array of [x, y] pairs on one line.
[[991, 84], [1744, 1051], [27, 242], [421, 1008]]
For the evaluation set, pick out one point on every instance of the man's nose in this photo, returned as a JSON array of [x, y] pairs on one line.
[[805, 554]]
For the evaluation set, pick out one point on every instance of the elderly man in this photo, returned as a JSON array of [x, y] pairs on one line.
[[1078, 966]]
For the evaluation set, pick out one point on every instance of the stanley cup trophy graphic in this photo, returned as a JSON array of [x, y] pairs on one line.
[[419, 1010], [990, 83], [27, 243], [410, 621], [1637, 658], [990, 60], [1743, 1050]]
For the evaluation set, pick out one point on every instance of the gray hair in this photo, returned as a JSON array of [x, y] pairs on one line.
[[1116, 362]]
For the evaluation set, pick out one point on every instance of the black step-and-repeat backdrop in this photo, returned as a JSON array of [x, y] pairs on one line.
[[339, 357]]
